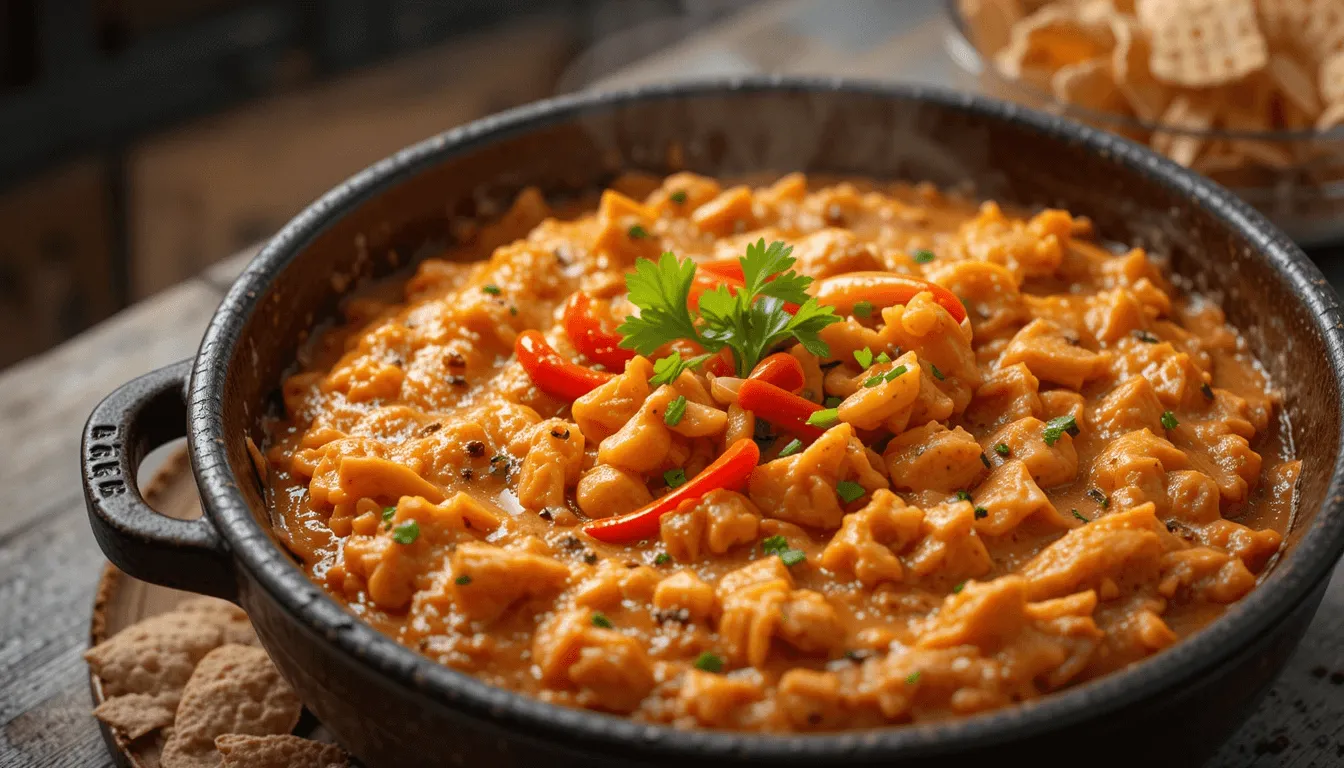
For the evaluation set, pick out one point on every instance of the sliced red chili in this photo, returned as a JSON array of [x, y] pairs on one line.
[[782, 408], [553, 374], [883, 289], [729, 471], [705, 281], [728, 269], [781, 369], [592, 335]]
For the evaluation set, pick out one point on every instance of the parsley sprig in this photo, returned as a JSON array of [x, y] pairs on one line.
[[748, 323]]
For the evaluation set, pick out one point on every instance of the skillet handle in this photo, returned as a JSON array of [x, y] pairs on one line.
[[141, 415]]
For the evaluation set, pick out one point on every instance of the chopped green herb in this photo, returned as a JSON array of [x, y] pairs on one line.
[[883, 358], [832, 402], [864, 357], [493, 290], [1080, 516], [957, 589], [896, 373], [823, 418], [406, 533], [937, 374], [873, 381], [981, 513], [675, 478], [750, 322], [600, 620], [462, 580], [1146, 337], [1002, 449], [792, 557], [1206, 391], [912, 678], [662, 558], [963, 496], [923, 256], [863, 309], [675, 410], [985, 460], [678, 196], [513, 310], [388, 512], [778, 545], [849, 490], [637, 232], [793, 447], [709, 662], [1056, 427], [1096, 495], [1169, 420], [668, 369]]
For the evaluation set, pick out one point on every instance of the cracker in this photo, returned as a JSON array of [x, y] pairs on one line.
[[989, 23], [1295, 82], [1088, 84], [1191, 114], [282, 751], [149, 663], [1201, 43], [1054, 37], [1129, 69], [1331, 78], [235, 689]]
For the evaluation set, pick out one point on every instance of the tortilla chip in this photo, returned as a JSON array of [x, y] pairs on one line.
[[150, 662], [1201, 43], [1089, 84], [283, 751], [1295, 82], [1191, 114], [235, 689], [989, 23], [1053, 38]]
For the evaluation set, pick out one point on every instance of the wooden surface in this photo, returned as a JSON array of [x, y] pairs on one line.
[[50, 565]]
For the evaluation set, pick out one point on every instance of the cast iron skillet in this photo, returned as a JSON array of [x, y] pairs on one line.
[[391, 707]]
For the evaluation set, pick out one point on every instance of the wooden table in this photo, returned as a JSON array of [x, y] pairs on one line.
[[49, 562]]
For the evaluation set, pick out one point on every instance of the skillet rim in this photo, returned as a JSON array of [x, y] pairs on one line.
[[1291, 581]]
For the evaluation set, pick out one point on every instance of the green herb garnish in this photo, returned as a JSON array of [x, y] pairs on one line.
[[709, 662], [1002, 449], [912, 678], [1080, 516], [793, 447], [600, 620], [1169, 420], [1096, 495], [668, 369], [493, 290], [637, 232], [462, 580], [823, 418], [778, 545], [963, 496], [883, 358], [957, 589], [863, 309], [675, 410], [406, 532], [1056, 427], [832, 402], [661, 558], [873, 381], [748, 323], [849, 490], [864, 357], [937, 374], [923, 256], [981, 513], [678, 196], [895, 373], [675, 478]]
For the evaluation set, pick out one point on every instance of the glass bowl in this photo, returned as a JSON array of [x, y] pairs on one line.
[[1295, 177]]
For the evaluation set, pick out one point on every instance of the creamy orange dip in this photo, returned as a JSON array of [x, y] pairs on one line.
[[1044, 466]]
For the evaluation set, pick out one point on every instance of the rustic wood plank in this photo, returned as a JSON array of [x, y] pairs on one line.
[[44, 401]]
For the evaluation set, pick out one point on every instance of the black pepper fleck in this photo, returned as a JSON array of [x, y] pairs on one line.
[[475, 448]]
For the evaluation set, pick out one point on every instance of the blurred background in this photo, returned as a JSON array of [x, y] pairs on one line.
[[142, 140]]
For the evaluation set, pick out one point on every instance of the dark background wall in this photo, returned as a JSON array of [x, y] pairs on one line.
[[142, 140]]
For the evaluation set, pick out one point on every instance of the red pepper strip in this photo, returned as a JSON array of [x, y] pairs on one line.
[[721, 364], [728, 471], [591, 336], [729, 269], [553, 374], [779, 407], [781, 369], [705, 281], [883, 289]]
